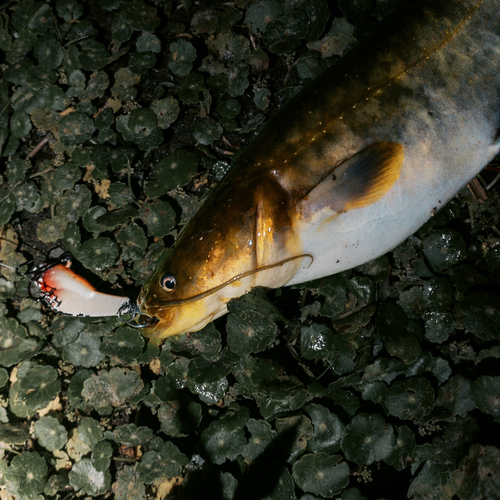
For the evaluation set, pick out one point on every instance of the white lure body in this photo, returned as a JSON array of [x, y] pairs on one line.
[[68, 293]]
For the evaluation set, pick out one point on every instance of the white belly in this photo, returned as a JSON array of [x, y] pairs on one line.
[[352, 238]]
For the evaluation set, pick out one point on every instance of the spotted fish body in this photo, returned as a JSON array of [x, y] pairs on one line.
[[352, 166]]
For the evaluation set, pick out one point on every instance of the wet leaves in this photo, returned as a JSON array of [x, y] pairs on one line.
[[444, 248], [262, 436], [124, 343], [273, 391], [166, 111], [15, 344], [368, 438], [485, 392], [159, 217], [111, 388], [165, 462], [20, 124], [321, 474], [98, 254], [131, 435], [48, 52], [51, 434], [36, 386], [76, 128], [25, 477], [85, 478], [392, 324], [222, 441], [141, 128], [249, 331], [328, 429], [175, 170], [480, 467], [455, 395], [481, 311], [207, 131], [410, 399], [182, 55], [179, 418]]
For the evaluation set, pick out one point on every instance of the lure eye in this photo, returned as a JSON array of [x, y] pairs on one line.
[[167, 282]]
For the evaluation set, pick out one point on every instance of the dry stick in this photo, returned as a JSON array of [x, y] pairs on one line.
[[477, 190], [493, 182], [8, 448], [8, 267], [38, 148], [229, 144]]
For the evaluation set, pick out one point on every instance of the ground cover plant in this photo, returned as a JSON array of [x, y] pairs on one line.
[[116, 120]]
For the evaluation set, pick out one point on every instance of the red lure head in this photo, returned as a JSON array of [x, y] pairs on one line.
[[44, 279]]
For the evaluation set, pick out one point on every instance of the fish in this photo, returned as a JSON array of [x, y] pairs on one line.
[[354, 164]]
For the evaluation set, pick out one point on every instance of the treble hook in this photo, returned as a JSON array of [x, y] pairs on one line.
[[132, 309]]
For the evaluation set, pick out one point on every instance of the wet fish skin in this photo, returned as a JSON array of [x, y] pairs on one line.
[[352, 166]]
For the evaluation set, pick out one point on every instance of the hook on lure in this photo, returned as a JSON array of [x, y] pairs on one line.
[[66, 292], [132, 310]]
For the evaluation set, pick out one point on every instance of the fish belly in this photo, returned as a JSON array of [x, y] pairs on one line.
[[445, 111]]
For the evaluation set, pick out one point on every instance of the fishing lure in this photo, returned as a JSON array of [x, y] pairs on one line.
[[66, 292]]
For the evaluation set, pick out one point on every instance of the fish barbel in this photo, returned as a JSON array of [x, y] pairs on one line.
[[352, 166]]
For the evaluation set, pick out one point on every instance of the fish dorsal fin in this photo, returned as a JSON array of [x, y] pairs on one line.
[[357, 182]]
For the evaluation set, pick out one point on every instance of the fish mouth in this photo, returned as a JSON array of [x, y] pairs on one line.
[[146, 321]]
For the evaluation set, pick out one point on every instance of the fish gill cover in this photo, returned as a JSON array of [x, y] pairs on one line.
[[117, 118]]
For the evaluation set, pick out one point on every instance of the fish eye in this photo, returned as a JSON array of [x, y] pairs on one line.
[[167, 282]]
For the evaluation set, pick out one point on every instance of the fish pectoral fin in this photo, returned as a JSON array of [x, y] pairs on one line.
[[357, 182]]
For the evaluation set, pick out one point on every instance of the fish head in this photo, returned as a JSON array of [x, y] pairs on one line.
[[235, 242], [176, 300]]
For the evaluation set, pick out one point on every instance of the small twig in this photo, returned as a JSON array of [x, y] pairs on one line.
[[289, 70], [252, 40], [38, 148], [7, 104], [8, 448], [471, 217], [8, 267], [37, 174], [493, 182], [223, 151], [477, 190], [328, 368], [229, 144], [76, 41], [56, 24]]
